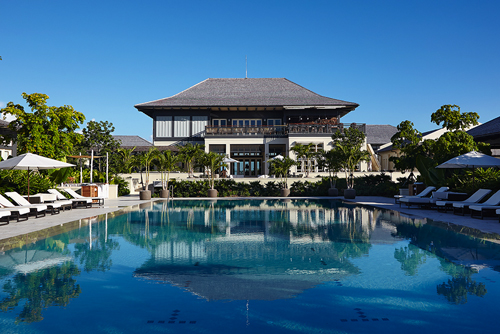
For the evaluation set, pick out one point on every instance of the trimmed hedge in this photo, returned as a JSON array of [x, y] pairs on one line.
[[370, 185]]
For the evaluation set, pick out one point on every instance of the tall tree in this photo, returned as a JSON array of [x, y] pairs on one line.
[[46, 130], [304, 152], [98, 136], [407, 141], [456, 141], [349, 143]]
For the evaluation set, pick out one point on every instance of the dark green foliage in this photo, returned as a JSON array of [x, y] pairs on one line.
[[59, 175], [370, 185], [468, 181], [226, 188], [376, 185], [17, 180], [431, 175], [122, 185]]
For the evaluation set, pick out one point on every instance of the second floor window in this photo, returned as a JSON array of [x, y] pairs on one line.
[[219, 122], [273, 122], [247, 122]]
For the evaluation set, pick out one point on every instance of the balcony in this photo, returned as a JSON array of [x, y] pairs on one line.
[[279, 131]]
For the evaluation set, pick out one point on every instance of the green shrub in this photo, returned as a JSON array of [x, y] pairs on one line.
[[123, 188]]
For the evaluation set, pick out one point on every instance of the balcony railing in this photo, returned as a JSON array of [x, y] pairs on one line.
[[280, 130], [245, 131]]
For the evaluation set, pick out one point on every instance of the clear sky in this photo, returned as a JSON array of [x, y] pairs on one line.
[[400, 60]]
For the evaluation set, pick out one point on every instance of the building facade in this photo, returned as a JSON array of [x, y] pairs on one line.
[[250, 120]]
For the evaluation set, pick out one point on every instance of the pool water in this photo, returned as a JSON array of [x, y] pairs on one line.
[[252, 266]]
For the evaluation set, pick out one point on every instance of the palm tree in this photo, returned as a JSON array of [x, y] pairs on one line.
[[281, 167], [126, 159], [331, 160], [212, 161], [167, 162], [144, 160], [304, 152], [349, 144], [189, 153]]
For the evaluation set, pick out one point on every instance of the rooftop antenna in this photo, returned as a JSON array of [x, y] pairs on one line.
[[246, 67]]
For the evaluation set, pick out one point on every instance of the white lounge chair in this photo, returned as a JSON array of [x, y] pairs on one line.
[[86, 202], [34, 208], [39, 209], [491, 203], [422, 200], [424, 193], [95, 200], [490, 206], [473, 199], [5, 215]]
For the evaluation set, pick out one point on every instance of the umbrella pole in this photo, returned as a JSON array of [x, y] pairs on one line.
[[28, 184], [81, 169], [91, 166]]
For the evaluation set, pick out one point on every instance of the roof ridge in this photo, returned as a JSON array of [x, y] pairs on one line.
[[168, 97]]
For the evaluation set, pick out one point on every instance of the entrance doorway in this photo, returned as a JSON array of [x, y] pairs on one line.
[[249, 167], [250, 159]]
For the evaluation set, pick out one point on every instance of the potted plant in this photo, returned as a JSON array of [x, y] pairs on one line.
[[144, 160], [331, 160], [349, 145], [281, 167], [167, 162], [212, 161]]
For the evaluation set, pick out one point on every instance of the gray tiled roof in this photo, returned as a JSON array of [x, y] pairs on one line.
[[253, 92], [379, 134], [4, 123], [487, 129], [131, 141]]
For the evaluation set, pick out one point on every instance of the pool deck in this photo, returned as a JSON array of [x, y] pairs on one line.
[[15, 229]]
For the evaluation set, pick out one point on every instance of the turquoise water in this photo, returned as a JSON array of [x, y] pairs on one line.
[[296, 266]]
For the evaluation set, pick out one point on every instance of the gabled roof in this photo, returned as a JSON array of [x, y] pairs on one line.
[[247, 92], [140, 144], [131, 141], [432, 134], [379, 134], [487, 129]]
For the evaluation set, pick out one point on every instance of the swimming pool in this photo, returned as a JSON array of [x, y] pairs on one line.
[[269, 266]]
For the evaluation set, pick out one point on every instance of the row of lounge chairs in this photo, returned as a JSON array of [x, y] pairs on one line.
[[432, 198], [21, 209]]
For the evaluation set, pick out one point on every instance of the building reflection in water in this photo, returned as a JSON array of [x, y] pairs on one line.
[[258, 250]]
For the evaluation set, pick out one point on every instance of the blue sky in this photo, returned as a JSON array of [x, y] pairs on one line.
[[400, 60]]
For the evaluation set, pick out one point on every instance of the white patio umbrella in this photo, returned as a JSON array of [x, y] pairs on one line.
[[30, 162], [278, 157], [228, 160], [472, 160]]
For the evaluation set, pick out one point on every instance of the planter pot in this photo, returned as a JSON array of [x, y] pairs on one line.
[[333, 192], [164, 193], [350, 193], [212, 193], [144, 195], [285, 192]]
